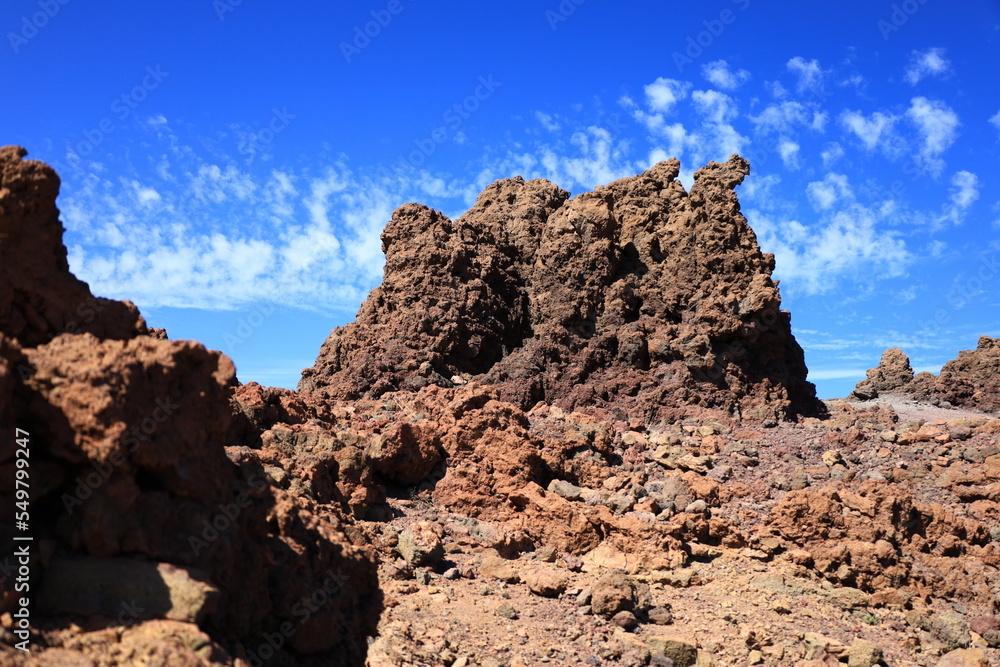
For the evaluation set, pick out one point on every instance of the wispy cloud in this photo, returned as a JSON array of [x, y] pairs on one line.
[[719, 74], [937, 124], [810, 74], [931, 62], [964, 192]]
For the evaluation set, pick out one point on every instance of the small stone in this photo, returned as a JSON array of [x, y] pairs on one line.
[[964, 658], [864, 654], [697, 507], [951, 628], [848, 598], [420, 544], [506, 610], [615, 592], [660, 616], [625, 620], [545, 581], [987, 627], [572, 563], [660, 660], [452, 573], [832, 457], [755, 657], [565, 489]]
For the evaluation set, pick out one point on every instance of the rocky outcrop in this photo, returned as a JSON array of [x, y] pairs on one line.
[[972, 380], [133, 485], [41, 298], [624, 301], [892, 374]]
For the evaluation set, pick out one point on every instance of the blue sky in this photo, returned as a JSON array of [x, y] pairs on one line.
[[228, 165]]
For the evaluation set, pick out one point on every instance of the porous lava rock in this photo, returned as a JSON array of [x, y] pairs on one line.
[[877, 537], [127, 435], [972, 380], [41, 298], [892, 374], [629, 299]]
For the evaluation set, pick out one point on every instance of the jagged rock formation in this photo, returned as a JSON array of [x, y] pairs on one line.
[[893, 373], [972, 380], [135, 500], [623, 300]]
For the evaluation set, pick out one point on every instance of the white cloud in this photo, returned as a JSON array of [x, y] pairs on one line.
[[964, 192], [715, 106], [663, 94], [789, 152], [831, 154], [873, 131], [809, 72], [995, 119], [591, 157], [937, 124], [931, 62], [548, 122], [218, 237], [848, 241], [719, 75], [833, 189]]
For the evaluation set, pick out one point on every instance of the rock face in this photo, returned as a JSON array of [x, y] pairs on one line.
[[972, 380], [893, 373], [628, 298], [130, 473], [41, 298]]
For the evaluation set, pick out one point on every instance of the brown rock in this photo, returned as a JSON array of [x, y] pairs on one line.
[[964, 657], [615, 592], [972, 380], [648, 295], [545, 581], [39, 297], [893, 373], [420, 544]]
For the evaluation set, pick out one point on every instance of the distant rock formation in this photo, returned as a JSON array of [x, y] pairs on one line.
[[134, 497], [972, 380], [892, 374], [623, 300]]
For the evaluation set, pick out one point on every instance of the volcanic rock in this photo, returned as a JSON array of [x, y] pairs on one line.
[[893, 373], [133, 492], [630, 298], [40, 298], [972, 380]]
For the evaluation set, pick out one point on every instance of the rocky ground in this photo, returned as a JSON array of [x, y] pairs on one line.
[[773, 597], [563, 431]]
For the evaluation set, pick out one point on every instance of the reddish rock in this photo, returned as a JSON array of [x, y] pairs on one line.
[[638, 294], [127, 434], [972, 380], [893, 373], [40, 298]]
